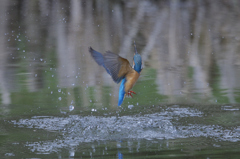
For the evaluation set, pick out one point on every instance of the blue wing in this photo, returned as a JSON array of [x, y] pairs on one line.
[[121, 92], [98, 57], [115, 65]]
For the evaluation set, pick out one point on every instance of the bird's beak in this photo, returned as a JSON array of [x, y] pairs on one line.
[[135, 48]]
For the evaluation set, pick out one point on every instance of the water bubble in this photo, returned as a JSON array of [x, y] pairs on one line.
[[59, 90], [35, 75], [59, 98], [51, 92], [130, 106], [23, 50], [71, 107]]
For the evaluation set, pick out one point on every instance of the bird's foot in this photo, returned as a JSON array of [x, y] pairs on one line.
[[130, 93]]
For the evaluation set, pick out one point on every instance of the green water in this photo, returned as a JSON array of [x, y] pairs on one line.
[[56, 102]]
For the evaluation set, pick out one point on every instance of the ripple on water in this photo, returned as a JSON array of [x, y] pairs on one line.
[[77, 129]]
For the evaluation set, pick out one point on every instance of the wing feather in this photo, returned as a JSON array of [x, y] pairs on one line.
[[117, 66], [98, 57], [114, 64]]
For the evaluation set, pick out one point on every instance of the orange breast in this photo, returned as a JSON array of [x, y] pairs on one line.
[[131, 78]]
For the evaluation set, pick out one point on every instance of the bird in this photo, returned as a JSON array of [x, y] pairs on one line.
[[120, 70]]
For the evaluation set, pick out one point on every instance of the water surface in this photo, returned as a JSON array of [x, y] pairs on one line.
[[56, 102]]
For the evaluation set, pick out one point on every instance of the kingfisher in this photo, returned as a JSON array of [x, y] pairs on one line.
[[120, 70]]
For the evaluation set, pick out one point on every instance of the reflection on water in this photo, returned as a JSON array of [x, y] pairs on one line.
[[56, 101], [190, 46]]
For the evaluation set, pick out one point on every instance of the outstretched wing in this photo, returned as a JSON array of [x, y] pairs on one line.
[[117, 66], [98, 57], [114, 64]]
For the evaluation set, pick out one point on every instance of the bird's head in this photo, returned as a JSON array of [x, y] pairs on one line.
[[137, 60]]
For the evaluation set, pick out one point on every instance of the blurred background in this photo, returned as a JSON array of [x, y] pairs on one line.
[[190, 50], [56, 102]]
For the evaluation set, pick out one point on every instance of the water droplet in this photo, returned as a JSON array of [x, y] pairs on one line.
[[59, 98], [130, 106], [71, 108], [59, 90]]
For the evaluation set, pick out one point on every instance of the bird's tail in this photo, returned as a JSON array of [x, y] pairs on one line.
[[121, 92]]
